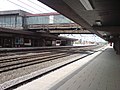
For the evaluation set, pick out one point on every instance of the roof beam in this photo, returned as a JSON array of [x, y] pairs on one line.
[[70, 32], [64, 9], [113, 29]]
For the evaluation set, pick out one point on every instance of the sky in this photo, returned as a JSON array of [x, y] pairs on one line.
[[32, 6], [85, 37], [35, 7]]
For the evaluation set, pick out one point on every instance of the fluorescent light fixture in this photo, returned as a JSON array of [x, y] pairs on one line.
[[86, 4], [98, 22], [111, 37]]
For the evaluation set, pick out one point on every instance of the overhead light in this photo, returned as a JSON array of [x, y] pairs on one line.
[[98, 22], [104, 34], [86, 4], [111, 37]]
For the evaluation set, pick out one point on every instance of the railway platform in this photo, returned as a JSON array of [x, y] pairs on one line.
[[99, 71]]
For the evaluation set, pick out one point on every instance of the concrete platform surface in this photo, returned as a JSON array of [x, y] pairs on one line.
[[100, 71]]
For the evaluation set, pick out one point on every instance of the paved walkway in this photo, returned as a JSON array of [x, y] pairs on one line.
[[101, 73]]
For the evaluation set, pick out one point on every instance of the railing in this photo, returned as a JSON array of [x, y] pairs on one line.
[[53, 26], [44, 26]]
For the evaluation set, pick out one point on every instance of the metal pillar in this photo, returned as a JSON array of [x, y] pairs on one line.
[[117, 46], [114, 46]]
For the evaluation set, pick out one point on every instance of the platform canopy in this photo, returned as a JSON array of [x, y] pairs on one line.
[[98, 16]]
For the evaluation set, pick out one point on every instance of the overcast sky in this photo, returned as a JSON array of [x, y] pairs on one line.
[[32, 6], [85, 37]]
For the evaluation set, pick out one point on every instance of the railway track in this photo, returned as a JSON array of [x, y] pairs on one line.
[[11, 62], [27, 62], [4, 53], [15, 63]]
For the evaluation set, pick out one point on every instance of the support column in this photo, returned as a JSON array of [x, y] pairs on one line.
[[114, 46], [117, 46]]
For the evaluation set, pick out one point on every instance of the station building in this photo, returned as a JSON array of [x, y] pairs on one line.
[[22, 29]]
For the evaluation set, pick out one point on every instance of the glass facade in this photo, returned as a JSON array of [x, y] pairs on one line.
[[12, 21], [16, 21], [61, 19], [38, 20], [19, 21], [47, 20]]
